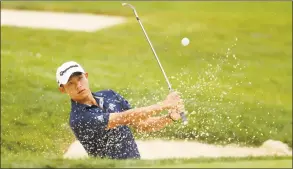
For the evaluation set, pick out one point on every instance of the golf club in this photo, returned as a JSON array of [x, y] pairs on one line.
[[182, 114]]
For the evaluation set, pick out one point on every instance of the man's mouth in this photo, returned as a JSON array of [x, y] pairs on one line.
[[81, 91]]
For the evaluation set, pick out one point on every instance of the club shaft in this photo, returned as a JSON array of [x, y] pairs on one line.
[[157, 58], [182, 114]]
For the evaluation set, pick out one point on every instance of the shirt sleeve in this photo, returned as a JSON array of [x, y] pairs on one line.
[[125, 104]]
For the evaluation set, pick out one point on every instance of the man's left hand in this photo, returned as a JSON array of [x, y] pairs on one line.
[[175, 113]]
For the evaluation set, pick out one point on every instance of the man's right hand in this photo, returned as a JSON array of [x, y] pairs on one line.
[[172, 100]]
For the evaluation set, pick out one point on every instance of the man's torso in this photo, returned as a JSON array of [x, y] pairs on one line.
[[117, 143]]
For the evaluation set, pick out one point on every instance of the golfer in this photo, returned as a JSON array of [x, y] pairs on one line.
[[101, 120]]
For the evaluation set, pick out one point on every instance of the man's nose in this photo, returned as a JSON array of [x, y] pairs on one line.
[[78, 85]]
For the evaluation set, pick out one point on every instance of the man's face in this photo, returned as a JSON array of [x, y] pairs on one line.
[[77, 86]]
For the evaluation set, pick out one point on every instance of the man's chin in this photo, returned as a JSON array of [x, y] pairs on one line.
[[84, 93], [81, 96]]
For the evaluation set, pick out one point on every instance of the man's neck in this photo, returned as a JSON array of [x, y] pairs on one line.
[[89, 100]]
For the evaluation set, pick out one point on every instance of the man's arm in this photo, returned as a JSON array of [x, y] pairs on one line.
[[157, 123], [133, 116], [153, 124], [137, 115]]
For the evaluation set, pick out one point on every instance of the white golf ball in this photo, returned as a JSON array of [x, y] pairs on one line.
[[185, 41]]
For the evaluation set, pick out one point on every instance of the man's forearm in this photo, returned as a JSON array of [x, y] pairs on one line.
[[134, 116], [139, 114], [153, 123]]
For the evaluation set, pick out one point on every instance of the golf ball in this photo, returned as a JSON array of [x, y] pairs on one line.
[[185, 41]]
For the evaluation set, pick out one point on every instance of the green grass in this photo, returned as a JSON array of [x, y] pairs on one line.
[[246, 100], [55, 162]]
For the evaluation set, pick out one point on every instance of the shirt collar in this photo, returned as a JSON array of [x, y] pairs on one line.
[[75, 105]]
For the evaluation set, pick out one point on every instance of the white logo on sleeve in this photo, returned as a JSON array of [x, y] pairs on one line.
[[111, 106]]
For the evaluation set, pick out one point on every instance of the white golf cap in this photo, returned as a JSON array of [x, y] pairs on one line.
[[66, 70]]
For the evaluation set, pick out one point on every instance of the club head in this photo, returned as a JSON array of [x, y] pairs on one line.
[[126, 4], [132, 7]]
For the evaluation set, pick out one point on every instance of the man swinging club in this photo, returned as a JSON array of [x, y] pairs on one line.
[[101, 120]]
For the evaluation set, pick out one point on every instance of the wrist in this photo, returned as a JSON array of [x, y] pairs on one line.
[[170, 117]]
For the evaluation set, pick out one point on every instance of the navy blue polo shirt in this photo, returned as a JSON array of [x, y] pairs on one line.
[[89, 122]]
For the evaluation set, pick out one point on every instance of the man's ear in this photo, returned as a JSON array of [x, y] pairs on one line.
[[86, 75], [61, 89]]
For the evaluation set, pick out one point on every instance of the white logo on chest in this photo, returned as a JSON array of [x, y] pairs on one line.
[[111, 106], [100, 118]]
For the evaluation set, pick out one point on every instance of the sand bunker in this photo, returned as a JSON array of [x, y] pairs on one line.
[[58, 20], [162, 149]]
